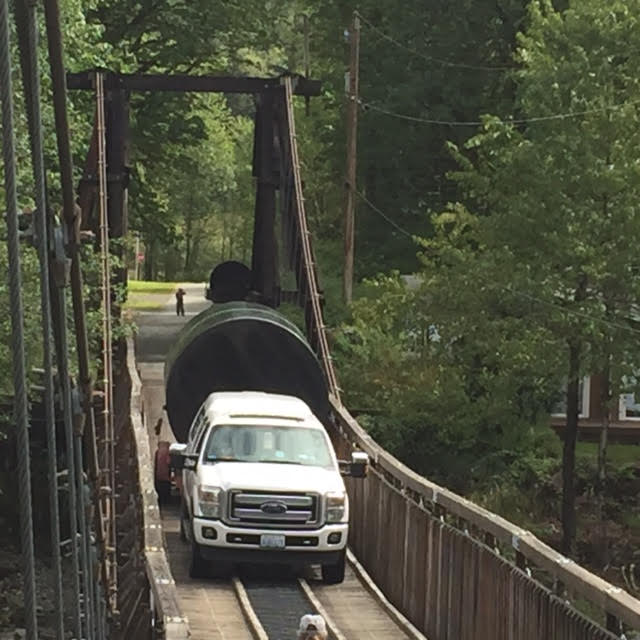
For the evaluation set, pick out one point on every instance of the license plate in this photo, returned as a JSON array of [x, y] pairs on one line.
[[272, 541]]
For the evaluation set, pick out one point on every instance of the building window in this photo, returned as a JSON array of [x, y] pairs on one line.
[[560, 410], [629, 402]]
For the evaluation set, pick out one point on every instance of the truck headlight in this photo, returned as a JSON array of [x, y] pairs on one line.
[[336, 507], [209, 499]]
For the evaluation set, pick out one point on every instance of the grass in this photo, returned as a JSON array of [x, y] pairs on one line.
[[617, 454], [144, 295], [145, 286], [143, 305]]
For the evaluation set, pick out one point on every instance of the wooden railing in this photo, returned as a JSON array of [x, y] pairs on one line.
[[148, 599], [459, 571]]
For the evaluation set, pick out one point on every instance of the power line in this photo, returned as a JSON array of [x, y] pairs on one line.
[[384, 215], [508, 289], [424, 56], [477, 123], [560, 307], [574, 312]]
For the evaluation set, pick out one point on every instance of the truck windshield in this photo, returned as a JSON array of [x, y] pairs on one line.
[[258, 443]]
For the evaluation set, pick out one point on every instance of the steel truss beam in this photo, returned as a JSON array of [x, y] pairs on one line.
[[182, 83]]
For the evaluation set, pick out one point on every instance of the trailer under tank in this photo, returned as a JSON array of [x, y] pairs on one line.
[[240, 346]]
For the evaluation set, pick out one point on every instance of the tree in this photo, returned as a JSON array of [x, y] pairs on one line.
[[422, 62], [453, 401], [547, 240]]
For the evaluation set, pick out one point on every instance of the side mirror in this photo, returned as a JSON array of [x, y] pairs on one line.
[[359, 464], [177, 455], [357, 468]]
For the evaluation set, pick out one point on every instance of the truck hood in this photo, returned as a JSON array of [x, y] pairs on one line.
[[265, 476]]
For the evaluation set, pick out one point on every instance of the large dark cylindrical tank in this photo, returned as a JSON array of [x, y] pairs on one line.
[[229, 281], [240, 346]]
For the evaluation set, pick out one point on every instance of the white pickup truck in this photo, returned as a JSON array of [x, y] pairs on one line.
[[261, 483]]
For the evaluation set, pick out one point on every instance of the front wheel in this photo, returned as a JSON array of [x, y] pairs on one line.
[[197, 564], [184, 518], [334, 573]]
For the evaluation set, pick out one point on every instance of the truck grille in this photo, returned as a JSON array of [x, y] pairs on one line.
[[274, 510]]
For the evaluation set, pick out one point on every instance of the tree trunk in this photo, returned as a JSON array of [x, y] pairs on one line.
[[569, 451], [605, 402], [187, 246], [246, 240], [188, 237], [224, 237], [172, 264], [198, 235], [606, 397], [148, 259]]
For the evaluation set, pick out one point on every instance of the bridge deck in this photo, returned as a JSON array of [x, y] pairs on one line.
[[211, 605], [355, 611]]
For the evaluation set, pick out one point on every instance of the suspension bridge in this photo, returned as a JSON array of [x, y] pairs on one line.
[[423, 561]]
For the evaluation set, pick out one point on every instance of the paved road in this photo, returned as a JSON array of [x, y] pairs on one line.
[[156, 332]]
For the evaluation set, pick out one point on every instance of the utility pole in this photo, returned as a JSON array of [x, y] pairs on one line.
[[352, 135], [137, 258]]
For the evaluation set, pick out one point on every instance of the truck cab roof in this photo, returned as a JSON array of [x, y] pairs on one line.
[[256, 405]]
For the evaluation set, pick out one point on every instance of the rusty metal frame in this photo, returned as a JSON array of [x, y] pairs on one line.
[[163, 611], [186, 83]]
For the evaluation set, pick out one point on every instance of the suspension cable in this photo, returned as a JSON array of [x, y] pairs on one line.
[[28, 40], [306, 251], [17, 330], [72, 223], [109, 435]]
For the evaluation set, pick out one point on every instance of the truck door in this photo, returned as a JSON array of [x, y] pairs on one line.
[[195, 446], [188, 475]]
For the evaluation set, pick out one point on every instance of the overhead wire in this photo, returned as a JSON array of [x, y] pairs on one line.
[[383, 215], [430, 58], [477, 123], [508, 289], [471, 123], [574, 312]]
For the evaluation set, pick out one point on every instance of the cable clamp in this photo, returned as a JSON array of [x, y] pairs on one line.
[[61, 265], [77, 409]]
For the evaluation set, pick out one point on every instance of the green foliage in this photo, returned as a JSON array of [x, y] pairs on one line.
[[437, 403], [31, 304], [402, 165], [540, 259], [550, 207], [457, 378], [138, 286]]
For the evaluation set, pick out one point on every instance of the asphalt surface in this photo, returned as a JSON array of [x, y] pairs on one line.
[[156, 332]]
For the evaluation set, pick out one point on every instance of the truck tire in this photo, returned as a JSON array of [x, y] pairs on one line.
[[184, 518], [334, 573], [197, 564]]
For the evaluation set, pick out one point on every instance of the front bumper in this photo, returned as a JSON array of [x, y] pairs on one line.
[[302, 546]]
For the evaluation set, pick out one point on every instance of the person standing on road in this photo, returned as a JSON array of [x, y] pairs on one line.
[[180, 294]]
